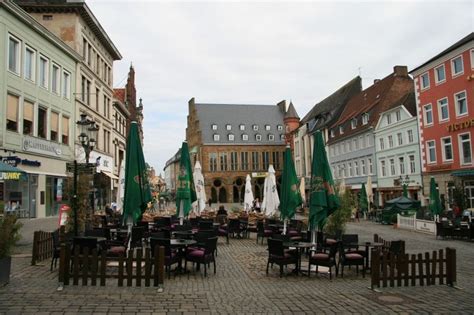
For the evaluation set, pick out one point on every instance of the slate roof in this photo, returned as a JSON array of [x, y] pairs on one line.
[[236, 115], [325, 112], [291, 112]]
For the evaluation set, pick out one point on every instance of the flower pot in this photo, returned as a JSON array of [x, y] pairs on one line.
[[5, 266]]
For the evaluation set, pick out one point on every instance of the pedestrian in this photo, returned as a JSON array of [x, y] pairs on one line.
[[209, 202], [256, 205], [357, 215]]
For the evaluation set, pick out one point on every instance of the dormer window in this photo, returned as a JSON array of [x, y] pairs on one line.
[[245, 137], [341, 130], [333, 134], [271, 137], [242, 127], [214, 127], [255, 127], [267, 127], [353, 123], [280, 128], [365, 119], [282, 137], [230, 137], [228, 127], [398, 115], [216, 137], [389, 119], [258, 137]]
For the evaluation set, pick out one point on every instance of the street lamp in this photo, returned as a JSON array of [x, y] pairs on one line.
[[404, 181], [88, 130]]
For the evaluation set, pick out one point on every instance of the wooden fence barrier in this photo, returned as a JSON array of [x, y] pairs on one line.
[[42, 246], [386, 244], [139, 265], [405, 270]]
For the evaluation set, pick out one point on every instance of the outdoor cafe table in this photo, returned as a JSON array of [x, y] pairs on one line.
[[299, 248], [183, 234], [181, 245]]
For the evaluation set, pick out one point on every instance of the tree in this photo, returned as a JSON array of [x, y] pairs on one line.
[[338, 220]]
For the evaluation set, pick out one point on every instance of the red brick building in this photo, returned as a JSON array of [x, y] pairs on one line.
[[444, 88]]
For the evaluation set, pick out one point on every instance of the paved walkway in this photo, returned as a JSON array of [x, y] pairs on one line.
[[241, 286]]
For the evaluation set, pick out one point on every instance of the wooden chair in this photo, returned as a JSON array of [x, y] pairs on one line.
[[319, 258], [351, 259], [203, 256], [277, 255], [262, 232]]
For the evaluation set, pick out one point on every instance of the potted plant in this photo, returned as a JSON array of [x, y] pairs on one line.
[[9, 235]]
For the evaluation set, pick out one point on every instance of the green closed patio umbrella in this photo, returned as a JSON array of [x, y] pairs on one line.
[[290, 194], [435, 203], [323, 200], [405, 191], [185, 193], [137, 193]]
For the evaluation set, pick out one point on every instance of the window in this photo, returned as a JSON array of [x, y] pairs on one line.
[[356, 167], [255, 164], [443, 112], [389, 119], [223, 161], [28, 117], [242, 127], [370, 166], [216, 137], [431, 148], [65, 130], [428, 114], [85, 90], [367, 140], [279, 127], [341, 130], [383, 170], [332, 133], [245, 137], [351, 173], [255, 127], [55, 79], [447, 149], [282, 137], [400, 138], [457, 66], [267, 127], [13, 55], [265, 160], [354, 123], [30, 63], [382, 144], [228, 127], [42, 122], [276, 160], [66, 84], [43, 72], [412, 164], [271, 137], [97, 97], [401, 165], [465, 149], [390, 141], [233, 161], [410, 136], [392, 167], [440, 74], [214, 127], [213, 162], [258, 137], [13, 102], [365, 119], [54, 131], [244, 160], [361, 142], [362, 164], [425, 81], [398, 115], [344, 170], [354, 144], [461, 103], [231, 137]]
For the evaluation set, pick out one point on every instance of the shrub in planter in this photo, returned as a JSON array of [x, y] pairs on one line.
[[9, 235]]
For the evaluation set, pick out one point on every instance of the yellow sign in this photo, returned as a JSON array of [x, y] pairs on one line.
[[259, 174], [10, 176], [461, 125]]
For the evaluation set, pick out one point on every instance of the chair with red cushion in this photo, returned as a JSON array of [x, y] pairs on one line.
[[203, 255], [263, 232], [319, 258], [351, 259], [277, 255], [171, 256]]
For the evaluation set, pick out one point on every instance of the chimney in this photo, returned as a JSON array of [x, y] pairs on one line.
[[376, 81], [400, 71], [282, 106]]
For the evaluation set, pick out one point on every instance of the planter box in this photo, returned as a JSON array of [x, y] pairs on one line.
[[5, 266]]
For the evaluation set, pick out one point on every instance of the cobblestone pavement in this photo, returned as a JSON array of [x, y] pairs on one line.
[[241, 286]]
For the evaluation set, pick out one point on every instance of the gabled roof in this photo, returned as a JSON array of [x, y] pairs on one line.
[[459, 43], [76, 6], [120, 94], [291, 112], [323, 113], [236, 115]]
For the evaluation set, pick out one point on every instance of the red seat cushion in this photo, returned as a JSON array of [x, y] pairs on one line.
[[116, 250], [330, 241], [320, 256], [353, 256]]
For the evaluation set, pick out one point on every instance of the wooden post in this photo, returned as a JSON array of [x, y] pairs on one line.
[[35, 248], [420, 269], [384, 269], [85, 265], [147, 267], [129, 268], [433, 268], [375, 268], [62, 264], [138, 271], [161, 269], [413, 270], [451, 266], [427, 266], [406, 258], [441, 267]]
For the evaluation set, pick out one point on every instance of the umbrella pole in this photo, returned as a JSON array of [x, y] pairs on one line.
[[284, 226], [181, 214]]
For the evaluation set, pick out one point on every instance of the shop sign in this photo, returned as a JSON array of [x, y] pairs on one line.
[[36, 145], [15, 160], [10, 176], [102, 161], [259, 174], [424, 226], [460, 125]]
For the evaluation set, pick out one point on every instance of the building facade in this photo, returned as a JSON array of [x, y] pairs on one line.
[[398, 152], [37, 81], [74, 23], [444, 88], [232, 141], [351, 141]]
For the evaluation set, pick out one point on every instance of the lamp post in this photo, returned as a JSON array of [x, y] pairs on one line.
[[404, 181]]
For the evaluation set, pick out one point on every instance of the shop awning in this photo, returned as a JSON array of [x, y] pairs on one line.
[[463, 173], [8, 172], [109, 174]]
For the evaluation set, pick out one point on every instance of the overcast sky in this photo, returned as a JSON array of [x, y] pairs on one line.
[[265, 52]]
